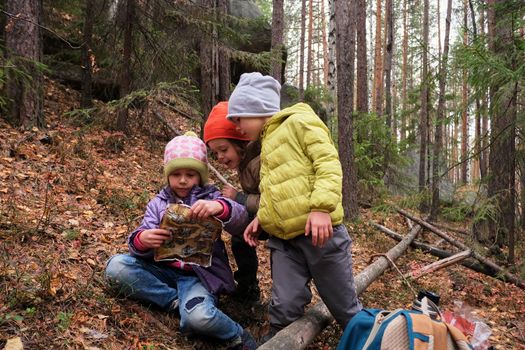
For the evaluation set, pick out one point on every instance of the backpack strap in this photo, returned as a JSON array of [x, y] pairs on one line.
[[422, 328], [439, 329], [459, 338], [382, 319]]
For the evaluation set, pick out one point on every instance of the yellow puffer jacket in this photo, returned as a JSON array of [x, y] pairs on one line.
[[300, 172]]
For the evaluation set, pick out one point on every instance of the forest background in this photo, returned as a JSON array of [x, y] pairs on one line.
[[425, 103]]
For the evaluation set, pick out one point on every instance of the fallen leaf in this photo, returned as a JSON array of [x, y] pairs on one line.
[[73, 222], [14, 344]]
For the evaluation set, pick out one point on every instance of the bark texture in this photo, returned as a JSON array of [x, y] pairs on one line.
[[24, 48]]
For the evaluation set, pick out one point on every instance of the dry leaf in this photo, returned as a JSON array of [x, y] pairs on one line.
[[14, 344]]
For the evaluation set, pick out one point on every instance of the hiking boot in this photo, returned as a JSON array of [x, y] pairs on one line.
[[243, 342], [250, 294]]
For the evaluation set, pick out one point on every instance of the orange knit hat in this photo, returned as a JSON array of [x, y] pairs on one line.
[[218, 127]]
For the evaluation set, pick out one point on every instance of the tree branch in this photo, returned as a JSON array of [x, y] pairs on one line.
[[508, 277]]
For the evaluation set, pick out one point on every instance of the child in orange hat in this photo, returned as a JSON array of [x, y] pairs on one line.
[[235, 151]]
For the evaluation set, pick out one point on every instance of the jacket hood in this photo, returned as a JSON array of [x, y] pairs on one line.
[[280, 117]]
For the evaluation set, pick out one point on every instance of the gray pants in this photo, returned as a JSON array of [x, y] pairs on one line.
[[296, 262]]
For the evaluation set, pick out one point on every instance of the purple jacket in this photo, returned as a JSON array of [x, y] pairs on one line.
[[217, 278]]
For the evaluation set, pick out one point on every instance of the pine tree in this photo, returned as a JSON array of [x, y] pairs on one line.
[[24, 48]]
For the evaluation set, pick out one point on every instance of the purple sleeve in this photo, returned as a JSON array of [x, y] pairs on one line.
[[151, 219], [238, 215]]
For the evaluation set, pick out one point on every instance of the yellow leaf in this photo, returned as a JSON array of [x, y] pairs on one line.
[[14, 344]]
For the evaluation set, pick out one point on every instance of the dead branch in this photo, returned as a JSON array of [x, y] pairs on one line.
[[176, 110], [440, 264], [302, 332], [508, 277], [451, 229], [470, 263], [440, 242]]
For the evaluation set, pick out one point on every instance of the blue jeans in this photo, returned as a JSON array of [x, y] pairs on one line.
[[161, 285]]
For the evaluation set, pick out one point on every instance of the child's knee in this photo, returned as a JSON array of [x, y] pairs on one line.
[[198, 314], [118, 269]]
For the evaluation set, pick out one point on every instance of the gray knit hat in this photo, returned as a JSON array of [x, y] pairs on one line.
[[255, 96]]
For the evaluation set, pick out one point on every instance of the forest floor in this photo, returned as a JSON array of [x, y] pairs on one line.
[[71, 193]]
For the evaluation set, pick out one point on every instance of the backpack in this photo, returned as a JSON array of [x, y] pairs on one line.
[[376, 329]]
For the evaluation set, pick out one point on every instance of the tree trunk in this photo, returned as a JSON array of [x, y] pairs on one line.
[[404, 68], [316, 49], [345, 44], [362, 65], [301, 50], [377, 93], [325, 44], [423, 117], [223, 53], [438, 15], [484, 118], [464, 105], [309, 56], [125, 70], [302, 332], [277, 40], [476, 163], [522, 192], [389, 35], [24, 48], [502, 156], [206, 64], [87, 67], [440, 118], [332, 72]]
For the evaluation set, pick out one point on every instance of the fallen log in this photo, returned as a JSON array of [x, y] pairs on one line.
[[507, 276], [302, 332], [440, 253], [437, 265]]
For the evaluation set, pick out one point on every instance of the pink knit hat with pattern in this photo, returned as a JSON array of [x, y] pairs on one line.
[[188, 152]]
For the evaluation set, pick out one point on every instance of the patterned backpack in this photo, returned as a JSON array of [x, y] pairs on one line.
[[375, 329]]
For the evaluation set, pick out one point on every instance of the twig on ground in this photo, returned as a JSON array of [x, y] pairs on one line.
[[507, 275], [441, 264]]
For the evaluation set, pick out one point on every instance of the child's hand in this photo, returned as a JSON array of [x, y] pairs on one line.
[[229, 192], [153, 238], [320, 224], [202, 209], [251, 233]]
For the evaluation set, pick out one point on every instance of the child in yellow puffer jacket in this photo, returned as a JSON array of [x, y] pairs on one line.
[[300, 205]]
